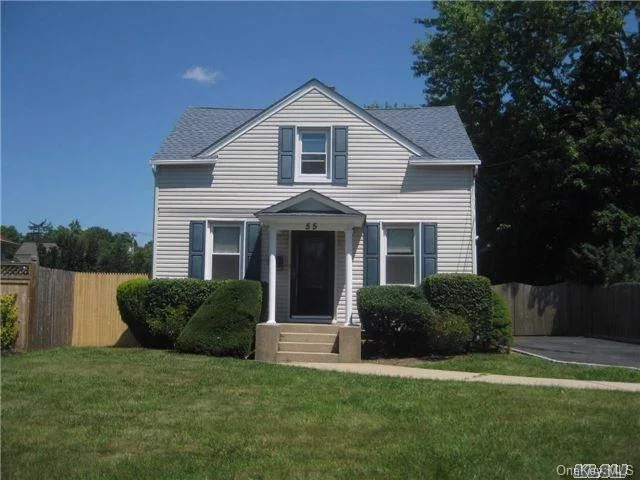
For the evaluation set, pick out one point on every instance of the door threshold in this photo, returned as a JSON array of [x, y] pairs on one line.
[[310, 319]]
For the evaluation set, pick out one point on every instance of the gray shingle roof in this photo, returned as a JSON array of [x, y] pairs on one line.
[[438, 130]]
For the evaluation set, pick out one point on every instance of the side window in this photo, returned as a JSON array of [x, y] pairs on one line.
[[226, 257], [400, 256]]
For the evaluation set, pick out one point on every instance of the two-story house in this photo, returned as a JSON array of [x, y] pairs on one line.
[[317, 197]]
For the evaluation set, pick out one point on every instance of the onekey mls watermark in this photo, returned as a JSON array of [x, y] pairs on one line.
[[591, 470]]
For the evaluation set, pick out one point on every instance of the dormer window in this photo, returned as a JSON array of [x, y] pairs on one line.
[[312, 161]]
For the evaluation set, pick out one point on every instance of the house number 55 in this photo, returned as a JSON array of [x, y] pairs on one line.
[[311, 226]]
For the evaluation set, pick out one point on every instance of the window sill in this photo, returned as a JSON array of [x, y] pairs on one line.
[[310, 181]]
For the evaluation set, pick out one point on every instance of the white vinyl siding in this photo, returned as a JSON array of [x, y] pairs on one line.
[[381, 185]]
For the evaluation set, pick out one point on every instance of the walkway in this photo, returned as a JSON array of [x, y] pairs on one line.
[[426, 374]]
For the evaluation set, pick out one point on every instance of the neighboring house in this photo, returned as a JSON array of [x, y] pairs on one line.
[[316, 196], [28, 251]]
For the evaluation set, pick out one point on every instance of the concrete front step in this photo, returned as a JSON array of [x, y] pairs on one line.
[[307, 328], [308, 337], [307, 357], [308, 347]]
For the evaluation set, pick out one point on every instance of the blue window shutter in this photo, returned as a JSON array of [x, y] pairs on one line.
[[253, 251], [429, 249], [340, 158], [286, 155], [372, 254], [196, 249]]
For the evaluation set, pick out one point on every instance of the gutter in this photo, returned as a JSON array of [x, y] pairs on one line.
[[421, 161], [185, 161]]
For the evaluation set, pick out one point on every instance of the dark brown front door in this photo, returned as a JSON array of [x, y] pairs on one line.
[[312, 273]]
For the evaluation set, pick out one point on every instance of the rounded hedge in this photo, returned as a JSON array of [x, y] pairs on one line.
[[225, 323], [9, 318], [396, 319], [451, 334], [156, 311], [501, 334], [466, 295]]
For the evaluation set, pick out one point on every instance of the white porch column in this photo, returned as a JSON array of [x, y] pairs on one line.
[[272, 275], [348, 250]]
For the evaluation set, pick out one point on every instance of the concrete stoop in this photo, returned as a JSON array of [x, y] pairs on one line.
[[304, 342]]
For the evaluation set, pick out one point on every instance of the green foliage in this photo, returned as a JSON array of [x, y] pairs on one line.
[[502, 332], [450, 334], [93, 249], [9, 232], [131, 298], [142, 258], [170, 303], [9, 319], [225, 324], [550, 95], [156, 311], [396, 319], [466, 295], [613, 254]]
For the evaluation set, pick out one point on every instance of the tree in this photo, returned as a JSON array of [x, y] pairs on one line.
[[142, 259], [549, 94], [9, 232], [38, 231], [93, 249]]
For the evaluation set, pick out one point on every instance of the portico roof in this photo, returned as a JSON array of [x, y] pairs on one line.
[[311, 206]]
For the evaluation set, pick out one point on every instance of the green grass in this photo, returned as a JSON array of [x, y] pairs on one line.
[[520, 365], [133, 413]]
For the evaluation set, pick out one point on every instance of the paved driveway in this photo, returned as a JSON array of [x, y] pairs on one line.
[[581, 350]]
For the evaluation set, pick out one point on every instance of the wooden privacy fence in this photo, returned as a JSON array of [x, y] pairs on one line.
[[570, 309], [60, 308]]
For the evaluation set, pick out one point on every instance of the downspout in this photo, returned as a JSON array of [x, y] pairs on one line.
[[474, 237], [155, 220]]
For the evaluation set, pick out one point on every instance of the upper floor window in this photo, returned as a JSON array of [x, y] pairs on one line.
[[312, 161]]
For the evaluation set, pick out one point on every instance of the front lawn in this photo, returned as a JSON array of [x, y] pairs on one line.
[[520, 365], [133, 413]]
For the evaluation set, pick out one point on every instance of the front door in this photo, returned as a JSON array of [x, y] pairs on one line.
[[312, 273]]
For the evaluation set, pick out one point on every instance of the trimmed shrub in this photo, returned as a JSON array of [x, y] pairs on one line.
[[131, 303], [451, 334], [156, 311], [225, 323], [466, 295], [9, 318], [502, 333], [172, 302], [396, 319]]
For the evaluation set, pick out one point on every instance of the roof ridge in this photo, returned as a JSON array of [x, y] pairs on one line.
[[224, 108], [427, 107]]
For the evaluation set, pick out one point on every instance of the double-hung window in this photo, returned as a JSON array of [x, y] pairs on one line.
[[226, 259], [312, 162], [400, 262]]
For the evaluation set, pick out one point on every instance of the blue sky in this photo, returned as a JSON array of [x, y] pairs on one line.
[[89, 90]]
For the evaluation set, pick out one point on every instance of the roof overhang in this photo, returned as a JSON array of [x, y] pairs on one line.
[[185, 161], [426, 162]]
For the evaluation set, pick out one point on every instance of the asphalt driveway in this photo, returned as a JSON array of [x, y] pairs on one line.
[[581, 350]]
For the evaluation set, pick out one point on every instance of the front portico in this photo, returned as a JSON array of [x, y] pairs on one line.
[[311, 221]]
